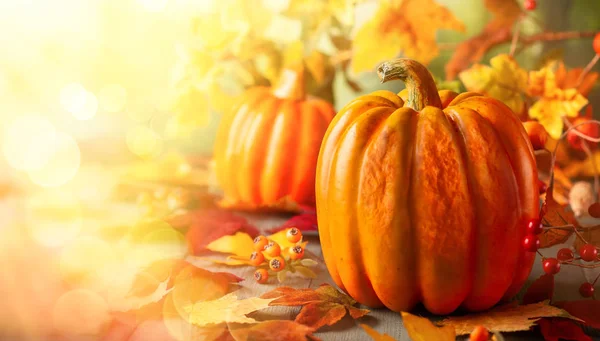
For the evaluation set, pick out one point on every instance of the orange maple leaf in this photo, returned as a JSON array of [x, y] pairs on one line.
[[322, 306], [555, 214], [407, 26]]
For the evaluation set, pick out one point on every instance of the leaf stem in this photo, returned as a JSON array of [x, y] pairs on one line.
[[587, 69]]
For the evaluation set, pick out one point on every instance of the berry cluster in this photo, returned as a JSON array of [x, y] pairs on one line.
[[270, 258], [531, 242], [587, 252]]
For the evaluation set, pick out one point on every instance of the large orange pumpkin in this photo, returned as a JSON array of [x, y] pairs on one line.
[[425, 197], [267, 146]]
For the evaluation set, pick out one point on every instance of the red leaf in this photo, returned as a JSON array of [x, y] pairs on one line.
[[555, 329], [540, 290], [304, 222], [587, 310], [209, 225]]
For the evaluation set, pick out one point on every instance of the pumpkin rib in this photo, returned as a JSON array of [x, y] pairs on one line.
[[492, 186], [351, 148], [304, 156], [441, 198], [383, 211]]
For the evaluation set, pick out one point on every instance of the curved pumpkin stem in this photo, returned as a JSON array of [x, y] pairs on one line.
[[291, 84], [419, 83]]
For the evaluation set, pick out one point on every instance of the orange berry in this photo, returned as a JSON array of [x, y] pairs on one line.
[[479, 334], [260, 242], [261, 276], [272, 249], [589, 129], [293, 235], [277, 264], [257, 258], [296, 252], [596, 43]]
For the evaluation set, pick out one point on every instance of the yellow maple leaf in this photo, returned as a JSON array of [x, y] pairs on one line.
[[227, 309], [555, 102], [240, 244], [421, 329], [407, 26], [503, 79]]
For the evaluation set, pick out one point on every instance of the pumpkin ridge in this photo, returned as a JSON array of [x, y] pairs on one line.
[[299, 157]]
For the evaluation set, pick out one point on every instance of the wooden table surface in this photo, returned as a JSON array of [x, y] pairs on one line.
[[383, 320]]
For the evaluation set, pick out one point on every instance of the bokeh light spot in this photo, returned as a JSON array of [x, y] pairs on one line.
[[28, 142], [82, 260], [113, 98], [61, 166], [143, 142], [154, 5], [81, 312], [89, 109], [55, 217], [73, 97]]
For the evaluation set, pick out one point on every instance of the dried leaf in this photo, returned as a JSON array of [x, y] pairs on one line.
[[281, 275], [583, 168], [505, 12], [306, 272], [208, 225], [586, 310], [556, 329], [306, 221], [240, 244], [555, 102], [282, 205], [540, 290], [227, 309], [271, 331], [503, 79], [308, 262], [507, 318], [375, 335], [322, 306], [421, 329], [555, 215], [408, 26]]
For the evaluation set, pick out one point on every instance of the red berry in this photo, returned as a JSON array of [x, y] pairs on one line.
[[479, 334], [588, 252], [565, 255], [256, 258], [272, 249], [534, 226], [542, 187], [551, 266], [589, 129], [531, 243], [277, 264], [594, 210], [261, 276], [586, 289], [260, 242], [530, 5], [293, 235], [296, 252], [596, 43]]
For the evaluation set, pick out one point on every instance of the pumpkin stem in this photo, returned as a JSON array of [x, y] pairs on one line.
[[291, 84], [419, 82]]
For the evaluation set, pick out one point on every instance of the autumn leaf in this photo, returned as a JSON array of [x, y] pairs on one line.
[[322, 306], [284, 204], [503, 79], [556, 329], [555, 102], [375, 335], [271, 331], [583, 168], [591, 235], [207, 225], [304, 222], [540, 290], [505, 12], [507, 318], [586, 310], [555, 214], [407, 26], [570, 79], [421, 329], [227, 309]]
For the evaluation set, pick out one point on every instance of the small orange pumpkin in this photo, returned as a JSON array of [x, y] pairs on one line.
[[425, 197], [267, 147]]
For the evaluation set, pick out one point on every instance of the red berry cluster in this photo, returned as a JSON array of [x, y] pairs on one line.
[[270, 258], [587, 252], [531, 242]]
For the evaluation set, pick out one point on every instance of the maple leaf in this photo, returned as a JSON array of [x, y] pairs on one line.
[[555, 329], [227, 309], [555, 102], [208, 225], [304, 222], [375, 335], [421, 329], [555, 214], [570, 79], [540, 290], [407, 26], [586, 310], [497, 31], [322, 306], [503, 80], [272, 331], [507, 318]]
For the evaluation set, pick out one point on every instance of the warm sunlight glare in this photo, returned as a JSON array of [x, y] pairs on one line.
[[154, 5], [143, 142], [81, 312], [84, 258], [61, 166], [28, 142], [112, 98], [55, 217]]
